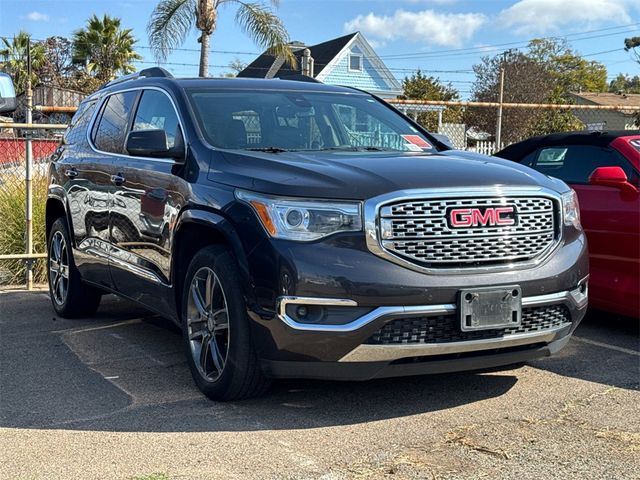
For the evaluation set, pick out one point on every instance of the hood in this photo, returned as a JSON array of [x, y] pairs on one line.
[[363, 175]]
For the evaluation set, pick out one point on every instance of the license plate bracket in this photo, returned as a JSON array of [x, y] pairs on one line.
[[490, 308]]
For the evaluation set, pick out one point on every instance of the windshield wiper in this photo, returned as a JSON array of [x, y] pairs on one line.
[[268, 149], [349, 148]]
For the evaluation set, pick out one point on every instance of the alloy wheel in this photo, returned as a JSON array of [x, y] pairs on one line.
[[208, 324], [58, 268]]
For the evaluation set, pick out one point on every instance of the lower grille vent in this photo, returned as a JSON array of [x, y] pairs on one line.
[[446, 328]]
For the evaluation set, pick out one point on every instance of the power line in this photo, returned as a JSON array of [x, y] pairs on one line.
[[498, 46]]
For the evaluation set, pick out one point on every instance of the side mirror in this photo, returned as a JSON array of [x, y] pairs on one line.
[[153, 144], [8, 101], [611, 177], [443, 139]]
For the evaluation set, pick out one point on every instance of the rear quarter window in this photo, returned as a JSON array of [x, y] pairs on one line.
[[78, 128], [575, 163]]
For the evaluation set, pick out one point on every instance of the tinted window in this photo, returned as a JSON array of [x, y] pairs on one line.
[[111, 128], [311, 121], [78, 127], [575, 163], [529, 159], [155, 111]]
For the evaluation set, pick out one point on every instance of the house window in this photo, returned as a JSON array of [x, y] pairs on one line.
[[355, 62]]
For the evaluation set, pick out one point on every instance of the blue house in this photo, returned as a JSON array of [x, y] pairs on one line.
[[348, 60]]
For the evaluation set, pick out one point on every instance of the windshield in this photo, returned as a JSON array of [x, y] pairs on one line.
[[310, 121]]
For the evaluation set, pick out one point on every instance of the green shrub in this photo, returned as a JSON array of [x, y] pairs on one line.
[[13, 223]]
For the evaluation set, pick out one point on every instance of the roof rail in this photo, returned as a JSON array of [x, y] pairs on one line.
[[146, 73], [298, 77]]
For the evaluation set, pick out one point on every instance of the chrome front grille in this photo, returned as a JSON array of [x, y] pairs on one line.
[[418, 231]]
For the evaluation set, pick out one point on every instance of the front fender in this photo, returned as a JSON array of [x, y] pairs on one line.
[[223, 228]]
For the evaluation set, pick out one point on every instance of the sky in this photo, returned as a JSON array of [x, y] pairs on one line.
[[444, 38]]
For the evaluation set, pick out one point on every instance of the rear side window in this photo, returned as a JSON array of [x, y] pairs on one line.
[[110, 128], [575, 163], [156, 112], [79, 123]]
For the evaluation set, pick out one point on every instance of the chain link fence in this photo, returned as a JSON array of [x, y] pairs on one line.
[[24, 155], [27, 140]]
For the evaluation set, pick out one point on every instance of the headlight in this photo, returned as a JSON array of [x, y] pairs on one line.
[[303, 220], [571, 209]]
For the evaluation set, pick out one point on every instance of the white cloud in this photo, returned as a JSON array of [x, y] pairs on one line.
[[532, 17], [37, 17], [426, 26]]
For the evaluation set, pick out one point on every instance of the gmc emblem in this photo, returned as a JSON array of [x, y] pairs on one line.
[[487, 217]]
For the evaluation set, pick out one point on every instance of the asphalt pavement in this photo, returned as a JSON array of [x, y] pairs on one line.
[[111, 397]]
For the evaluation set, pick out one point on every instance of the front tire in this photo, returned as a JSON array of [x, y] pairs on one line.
[[69, 296], [216, 330]]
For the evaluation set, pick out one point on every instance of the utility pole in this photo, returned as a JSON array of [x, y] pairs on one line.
[[29, 173], [505, 54], [500, 100]]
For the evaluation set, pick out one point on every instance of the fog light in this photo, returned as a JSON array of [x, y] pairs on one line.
[[302, 312]]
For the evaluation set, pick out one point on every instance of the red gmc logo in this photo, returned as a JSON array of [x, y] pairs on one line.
[[474, 217]]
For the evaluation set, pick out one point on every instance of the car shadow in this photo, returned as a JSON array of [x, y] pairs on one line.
[[605, 349]]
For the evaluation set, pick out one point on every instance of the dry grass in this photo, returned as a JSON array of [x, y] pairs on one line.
[[13, 223]]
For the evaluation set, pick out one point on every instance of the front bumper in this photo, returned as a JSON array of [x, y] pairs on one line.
[[361, 371], [409, 356]]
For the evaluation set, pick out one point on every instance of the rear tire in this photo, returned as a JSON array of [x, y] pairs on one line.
[[70, 297], [216, 331]]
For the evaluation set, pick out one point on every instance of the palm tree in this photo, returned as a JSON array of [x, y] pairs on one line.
[[104, 48], [14, 60], [172, 20]]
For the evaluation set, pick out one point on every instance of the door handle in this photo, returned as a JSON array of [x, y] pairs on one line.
[[117, 179], [71, 173]]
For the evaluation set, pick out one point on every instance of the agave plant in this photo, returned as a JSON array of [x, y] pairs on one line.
[[172, 20], [14, 59], [104, 48]]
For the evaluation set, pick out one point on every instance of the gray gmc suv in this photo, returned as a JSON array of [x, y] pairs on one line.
[[295, 229]]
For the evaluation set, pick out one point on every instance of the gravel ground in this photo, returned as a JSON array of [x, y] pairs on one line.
[[111, 397]]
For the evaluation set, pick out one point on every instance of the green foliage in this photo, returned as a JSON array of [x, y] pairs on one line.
[[12, 233], [422, 87], [104, 48], [59, 70], [633, 45], [625, 84], [569, 71], [14, 60], [549, 72], [169, 25], [172, 20], [51, 64]]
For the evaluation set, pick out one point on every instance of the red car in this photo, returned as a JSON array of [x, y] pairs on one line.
[[604, 170]]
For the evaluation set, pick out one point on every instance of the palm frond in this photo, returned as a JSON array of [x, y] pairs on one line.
[[266, 29], [169, 25]]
